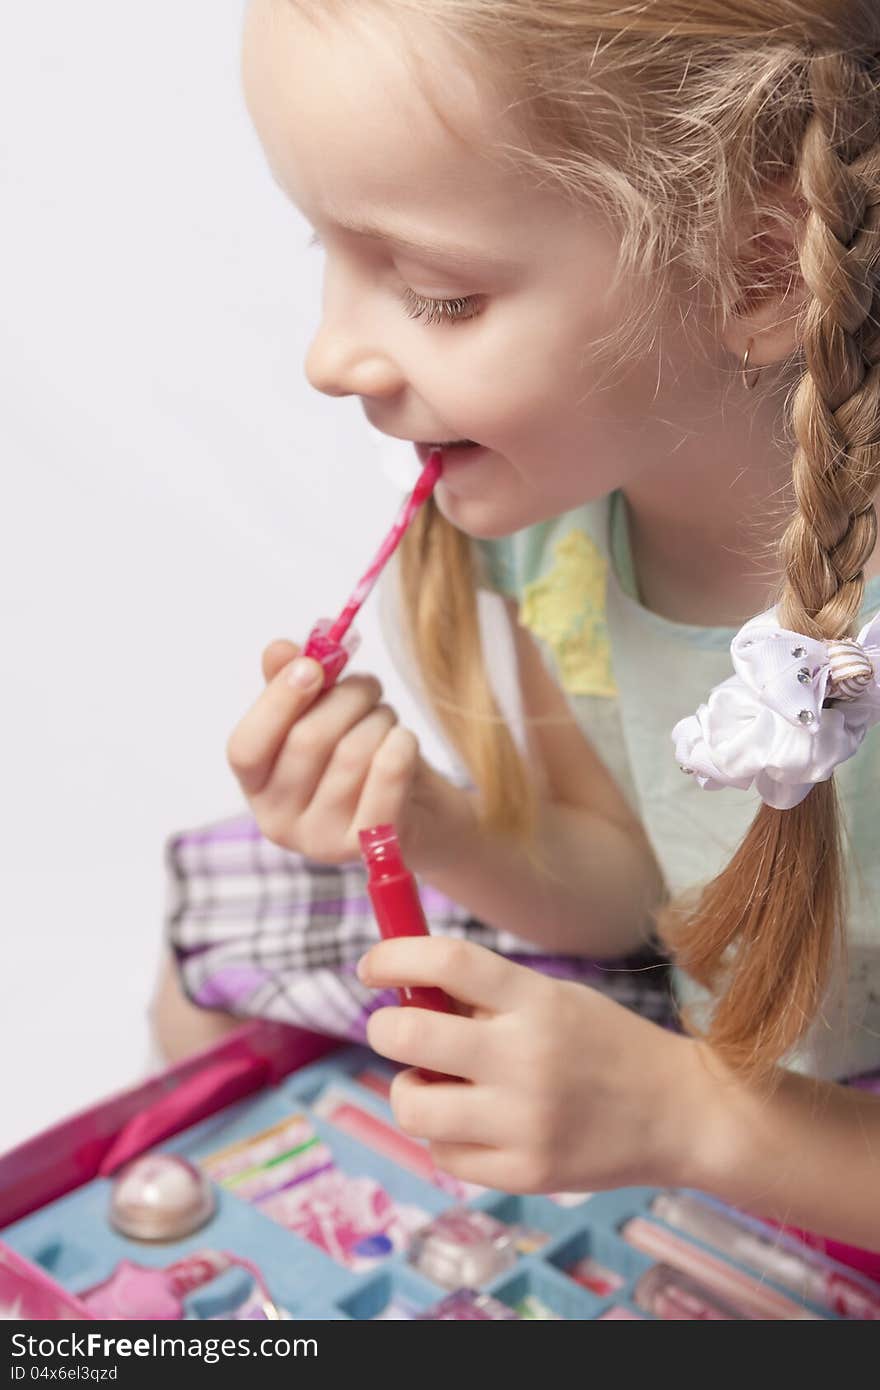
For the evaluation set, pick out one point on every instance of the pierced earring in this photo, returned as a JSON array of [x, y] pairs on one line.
[[750, 384]]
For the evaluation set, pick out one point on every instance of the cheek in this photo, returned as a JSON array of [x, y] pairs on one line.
[[533, 381], [509, 371], [506, 398], [551, 378]]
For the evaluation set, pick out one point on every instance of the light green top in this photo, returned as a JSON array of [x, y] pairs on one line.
[[630, 675]]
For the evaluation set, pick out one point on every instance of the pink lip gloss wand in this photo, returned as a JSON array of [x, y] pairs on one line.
[[327, 642]]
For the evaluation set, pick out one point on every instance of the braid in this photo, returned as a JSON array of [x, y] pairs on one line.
[[835, 413], [781, 901]]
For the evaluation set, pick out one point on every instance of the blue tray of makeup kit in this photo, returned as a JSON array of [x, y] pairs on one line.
[[72, 1240]]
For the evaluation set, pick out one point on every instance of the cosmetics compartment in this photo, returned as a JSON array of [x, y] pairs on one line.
[[399, 1290], [537, 1291], [540, 1214], [598, 1262], [353, 1215]]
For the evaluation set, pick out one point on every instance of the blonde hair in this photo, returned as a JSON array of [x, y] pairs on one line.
[[675, 117]]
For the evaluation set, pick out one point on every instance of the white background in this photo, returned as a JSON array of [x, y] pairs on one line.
[[171, 492]]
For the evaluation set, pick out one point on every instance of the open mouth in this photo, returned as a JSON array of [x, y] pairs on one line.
[[460, 446], [449, 444]]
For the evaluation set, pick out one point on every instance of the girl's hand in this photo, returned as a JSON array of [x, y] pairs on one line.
[[568, 1091], [316, 768]]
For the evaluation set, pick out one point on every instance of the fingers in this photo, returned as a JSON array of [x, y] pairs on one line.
[[442, 1043], [446, 1112], [485, 1165], [326, 756], [318, 765], [355, 751], [276, 721], [471, 974], [474, 1132], [278, 654], [255, 741], [388, 780]]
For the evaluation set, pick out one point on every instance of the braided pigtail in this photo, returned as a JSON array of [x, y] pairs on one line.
[[765, 933]]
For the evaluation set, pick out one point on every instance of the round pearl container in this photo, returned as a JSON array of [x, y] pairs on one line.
[[160, 1197]]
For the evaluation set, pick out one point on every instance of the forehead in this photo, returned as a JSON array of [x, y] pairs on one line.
[[357, 114]]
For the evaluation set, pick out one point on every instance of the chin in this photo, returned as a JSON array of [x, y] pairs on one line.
[[483, 518]]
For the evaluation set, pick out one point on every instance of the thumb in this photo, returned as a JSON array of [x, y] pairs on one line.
[[277, 655]]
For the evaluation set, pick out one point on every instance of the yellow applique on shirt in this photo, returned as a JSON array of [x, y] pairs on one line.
[[566, 609]]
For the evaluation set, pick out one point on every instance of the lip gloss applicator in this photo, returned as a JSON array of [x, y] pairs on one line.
[[329, 642]]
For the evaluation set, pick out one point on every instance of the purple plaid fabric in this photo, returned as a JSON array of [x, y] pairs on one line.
[[262, 932]]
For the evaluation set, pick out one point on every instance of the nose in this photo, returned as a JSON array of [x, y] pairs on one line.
[[339, 368], [344, 357]]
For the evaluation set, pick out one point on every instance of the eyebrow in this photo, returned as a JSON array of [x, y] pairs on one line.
[[451, 252]]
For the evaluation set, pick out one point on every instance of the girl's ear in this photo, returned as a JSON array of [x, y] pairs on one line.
[[774, 294]]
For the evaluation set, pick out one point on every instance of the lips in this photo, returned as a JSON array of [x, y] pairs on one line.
[[462, 451], [423, 443], [452, 444]]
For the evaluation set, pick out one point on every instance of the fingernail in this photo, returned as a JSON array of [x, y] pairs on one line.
[[304, 674], [363, 970]]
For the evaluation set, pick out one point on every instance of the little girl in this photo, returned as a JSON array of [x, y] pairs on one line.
[[631, 254]]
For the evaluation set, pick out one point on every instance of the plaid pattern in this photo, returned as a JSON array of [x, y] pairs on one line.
[[260, 931]]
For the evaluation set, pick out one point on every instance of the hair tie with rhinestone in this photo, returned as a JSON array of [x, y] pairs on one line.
[[794, 711]]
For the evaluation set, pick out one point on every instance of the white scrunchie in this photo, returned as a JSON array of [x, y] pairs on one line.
[[766, 725]]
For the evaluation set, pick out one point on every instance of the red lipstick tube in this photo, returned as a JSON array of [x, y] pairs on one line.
[[398, 910], [395, 898]]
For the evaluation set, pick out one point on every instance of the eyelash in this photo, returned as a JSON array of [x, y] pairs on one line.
[[430, 311], [435, 310]]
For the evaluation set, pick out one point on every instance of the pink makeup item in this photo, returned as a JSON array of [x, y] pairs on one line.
[[618, 1312], [674, 1297], [463, 1248], [769, 1255], [374, 1081], [339, 1110], [335, 1107], [351, 1218], [751, 1297], [595, 1277], [142, 1292], [329, 642], [160, 1197], [466, 1305]]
